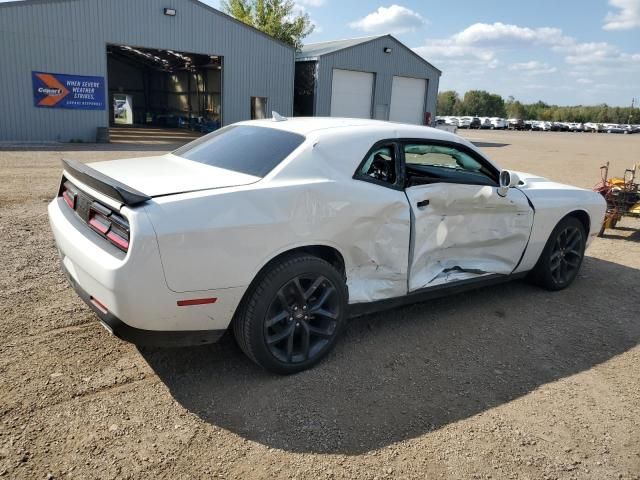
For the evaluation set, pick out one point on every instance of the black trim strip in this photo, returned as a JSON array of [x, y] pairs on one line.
[[104, 184], [151, 338], [430, 293]]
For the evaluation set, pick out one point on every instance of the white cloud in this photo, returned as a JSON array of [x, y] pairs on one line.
[[469, 60], [593, 53], [479, 44], [393, 19], [627, 16], [533, 67], [450, 50], [482, 41], [496, 34]]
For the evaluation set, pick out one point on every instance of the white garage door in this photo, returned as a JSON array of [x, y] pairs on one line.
[[351, 94], [407, 100]]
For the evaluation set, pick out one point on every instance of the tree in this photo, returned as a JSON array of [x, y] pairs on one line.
[[273, 17], [483, 104], [515, 109], [474, 102], [495, 106], [448, 103]]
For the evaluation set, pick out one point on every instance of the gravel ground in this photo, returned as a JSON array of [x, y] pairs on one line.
[[504, 382]]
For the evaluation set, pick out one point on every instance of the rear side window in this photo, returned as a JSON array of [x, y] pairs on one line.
[[242, 148]]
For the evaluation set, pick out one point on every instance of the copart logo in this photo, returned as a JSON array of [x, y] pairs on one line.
[[52, 92]]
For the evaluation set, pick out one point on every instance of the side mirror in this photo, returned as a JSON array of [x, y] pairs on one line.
[[507, 180]]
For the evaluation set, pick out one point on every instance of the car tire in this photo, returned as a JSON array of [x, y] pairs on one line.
[[562, 256], [292, 314]]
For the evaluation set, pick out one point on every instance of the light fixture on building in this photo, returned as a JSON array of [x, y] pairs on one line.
[[171, 12], [387, 49]]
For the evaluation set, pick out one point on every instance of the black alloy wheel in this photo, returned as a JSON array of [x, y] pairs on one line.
[[566, 255], [292, 314], [302, 318], [561, 259]]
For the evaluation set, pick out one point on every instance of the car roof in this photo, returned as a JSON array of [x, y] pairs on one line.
[[324, 125], [319, 128]]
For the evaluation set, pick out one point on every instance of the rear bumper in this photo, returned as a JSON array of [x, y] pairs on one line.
[[156, 338], [132, 288]]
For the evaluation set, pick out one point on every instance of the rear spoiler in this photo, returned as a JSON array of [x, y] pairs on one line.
[[103, 184]]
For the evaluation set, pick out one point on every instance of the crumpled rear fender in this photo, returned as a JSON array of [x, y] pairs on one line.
[[229, 235]]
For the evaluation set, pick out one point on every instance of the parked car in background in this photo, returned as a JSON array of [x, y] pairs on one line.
[[613, 128], [464, 122], [485, 123], [497, 123], [516, 124], [593, 127], [313, 219], [452, 121], [475, 123], [546, 126]]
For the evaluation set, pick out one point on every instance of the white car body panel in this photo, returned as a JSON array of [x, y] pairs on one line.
[[169, 174], [132, 286], [208, 232], [552, 202], [368, 225], [466, 231]]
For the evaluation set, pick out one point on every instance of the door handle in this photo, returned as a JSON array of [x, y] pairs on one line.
[[423, 203]]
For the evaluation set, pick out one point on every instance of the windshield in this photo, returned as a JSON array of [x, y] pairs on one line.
[[242, 148]]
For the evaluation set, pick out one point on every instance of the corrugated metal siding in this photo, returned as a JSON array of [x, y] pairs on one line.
[[370, 57], [71, 37]]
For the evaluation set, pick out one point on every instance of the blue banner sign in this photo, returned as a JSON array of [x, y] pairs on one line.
[[56, 90]]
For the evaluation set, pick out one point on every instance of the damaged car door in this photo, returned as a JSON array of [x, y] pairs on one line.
[[461, 227]]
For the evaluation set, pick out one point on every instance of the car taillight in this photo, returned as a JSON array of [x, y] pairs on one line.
[[102, 220], [119, 233], [110, 225], [99, 218], [69, 195]]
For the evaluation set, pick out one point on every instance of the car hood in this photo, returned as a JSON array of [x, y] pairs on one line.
[[169, 174], [531, 181]]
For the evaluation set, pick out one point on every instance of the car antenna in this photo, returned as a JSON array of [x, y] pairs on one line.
[[276, 117]]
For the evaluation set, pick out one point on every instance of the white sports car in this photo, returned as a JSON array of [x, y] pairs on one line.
[[281, 229]]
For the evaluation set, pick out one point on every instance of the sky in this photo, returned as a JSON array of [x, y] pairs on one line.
[[564, 52]]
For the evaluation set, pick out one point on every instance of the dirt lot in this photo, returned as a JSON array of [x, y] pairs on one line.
[[504, 382]]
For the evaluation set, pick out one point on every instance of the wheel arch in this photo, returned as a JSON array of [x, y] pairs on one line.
[[326, 252], [583, 217]]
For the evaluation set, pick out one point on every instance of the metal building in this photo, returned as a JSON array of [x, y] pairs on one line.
[[373, 77], [70, 66]]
